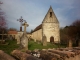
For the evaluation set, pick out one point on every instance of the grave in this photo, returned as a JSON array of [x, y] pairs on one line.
[[70, 44], [44, 41], [18, 36]]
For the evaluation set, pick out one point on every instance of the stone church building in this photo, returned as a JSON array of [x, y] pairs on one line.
[[48, 28]]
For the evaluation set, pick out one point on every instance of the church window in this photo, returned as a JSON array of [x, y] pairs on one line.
[[50, 14]]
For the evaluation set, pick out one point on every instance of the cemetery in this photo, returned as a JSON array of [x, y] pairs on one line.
[[43, 43]]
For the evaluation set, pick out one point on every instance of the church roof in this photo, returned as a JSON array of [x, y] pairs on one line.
[[38, 27], [50, 17]]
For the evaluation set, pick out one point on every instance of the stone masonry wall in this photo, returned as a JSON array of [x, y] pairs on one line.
[[51, 30], [37, 35]]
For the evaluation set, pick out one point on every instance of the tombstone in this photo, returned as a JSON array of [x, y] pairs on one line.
[[24, 38], [18, 36], [10, 38], [70, 44], [18, 39], [34, 40], [44, 41]]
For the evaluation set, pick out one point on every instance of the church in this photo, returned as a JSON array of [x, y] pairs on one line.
[[48, 28]]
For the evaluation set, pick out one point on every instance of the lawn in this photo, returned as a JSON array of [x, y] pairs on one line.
[[35, 45], [11, 45], [31, 46]]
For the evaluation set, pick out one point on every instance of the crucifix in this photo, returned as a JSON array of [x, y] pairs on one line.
[[20, 20]]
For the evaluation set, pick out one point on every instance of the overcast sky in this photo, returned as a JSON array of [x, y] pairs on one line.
[[34, 11]]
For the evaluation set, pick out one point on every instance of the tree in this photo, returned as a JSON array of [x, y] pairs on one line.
[[3, 23], [71, 34], [74, 32], [64, 35]]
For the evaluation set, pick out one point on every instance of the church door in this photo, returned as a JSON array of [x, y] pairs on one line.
[[52, 39]]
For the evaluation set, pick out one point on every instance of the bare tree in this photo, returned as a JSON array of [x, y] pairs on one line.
[[3, 22]]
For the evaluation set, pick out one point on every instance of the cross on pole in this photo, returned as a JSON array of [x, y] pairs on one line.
[[20, 20]]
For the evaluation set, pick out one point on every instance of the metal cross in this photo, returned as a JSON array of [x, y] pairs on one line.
[[20, 20]]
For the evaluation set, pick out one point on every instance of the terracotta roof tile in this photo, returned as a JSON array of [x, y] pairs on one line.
[[12, 32]]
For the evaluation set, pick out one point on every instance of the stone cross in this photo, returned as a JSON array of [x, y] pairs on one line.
[[24, 38], [25, 25]]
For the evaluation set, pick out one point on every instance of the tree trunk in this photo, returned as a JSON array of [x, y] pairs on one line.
[[4, 56], [23, 56]]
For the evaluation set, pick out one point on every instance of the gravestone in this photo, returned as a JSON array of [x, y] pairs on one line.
[[34, 40], [18, 39], [10, 38], [44, 41], [24, 38], [70, 43], [18, 36]]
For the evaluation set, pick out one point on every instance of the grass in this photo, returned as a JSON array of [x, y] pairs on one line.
[[34, 45], [31, 46], [9, 47]]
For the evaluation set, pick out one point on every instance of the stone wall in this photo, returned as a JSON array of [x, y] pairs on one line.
[[37, 35], [51, 30]]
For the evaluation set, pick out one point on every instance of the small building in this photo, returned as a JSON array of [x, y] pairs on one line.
[[12, 33]]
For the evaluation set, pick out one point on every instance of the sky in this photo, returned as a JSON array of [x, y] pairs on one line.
[[34, 11]]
